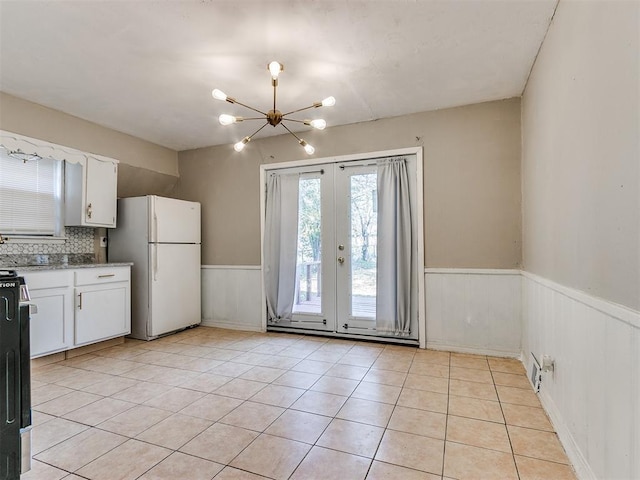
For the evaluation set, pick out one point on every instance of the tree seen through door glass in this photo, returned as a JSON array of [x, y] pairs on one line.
[[308, 293], [364, 242]]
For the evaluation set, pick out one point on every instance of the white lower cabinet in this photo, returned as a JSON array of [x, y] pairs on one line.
[[103, 304], [101, 312], [51, 325], [77, 307]]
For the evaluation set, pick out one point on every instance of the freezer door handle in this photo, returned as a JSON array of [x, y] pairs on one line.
[[154, 231]]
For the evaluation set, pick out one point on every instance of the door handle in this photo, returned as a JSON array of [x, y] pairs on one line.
[[155, 263], [80, 301], [89, 210]]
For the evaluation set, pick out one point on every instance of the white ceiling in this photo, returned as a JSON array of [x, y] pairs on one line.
[[147, 67]]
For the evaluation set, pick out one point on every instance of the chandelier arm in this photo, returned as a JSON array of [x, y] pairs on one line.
[[315, 105], [287, 129], [251, 136], [293, 120], [250, 108]]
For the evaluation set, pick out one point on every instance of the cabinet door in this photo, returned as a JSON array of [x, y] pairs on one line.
[[101, 192], [102, 312], [51, 327]]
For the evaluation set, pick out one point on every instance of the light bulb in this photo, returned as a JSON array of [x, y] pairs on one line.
[[219, 95], [329, 102], [275, 68], [318, 123], [238, 147], [307, 148], [225, 119]]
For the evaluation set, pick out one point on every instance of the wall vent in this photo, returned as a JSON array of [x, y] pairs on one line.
[[535, 373]]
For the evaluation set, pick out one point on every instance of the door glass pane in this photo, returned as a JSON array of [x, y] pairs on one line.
[[308, 264], [364, 224]]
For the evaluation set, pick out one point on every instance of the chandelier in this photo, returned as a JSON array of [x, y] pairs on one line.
[[273, 117]]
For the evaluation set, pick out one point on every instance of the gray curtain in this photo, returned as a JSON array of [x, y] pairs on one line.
[[280, 245], [393, 303]]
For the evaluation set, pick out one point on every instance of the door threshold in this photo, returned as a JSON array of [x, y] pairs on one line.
[[352, 336]]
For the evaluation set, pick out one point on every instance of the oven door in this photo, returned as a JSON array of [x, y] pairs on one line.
[[25, 387]]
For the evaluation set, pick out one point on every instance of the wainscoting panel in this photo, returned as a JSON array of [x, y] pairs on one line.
[[231, 297], [593, 394], [474, 311]]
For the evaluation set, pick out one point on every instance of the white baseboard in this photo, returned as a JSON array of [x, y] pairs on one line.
[[230, 325], [472, 350], [579, 463]]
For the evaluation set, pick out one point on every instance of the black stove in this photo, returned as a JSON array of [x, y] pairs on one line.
[[15, 377]]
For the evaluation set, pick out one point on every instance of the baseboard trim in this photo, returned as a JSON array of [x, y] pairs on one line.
[[475, 351], [473, 271], [208, 322], [230, 267], [579, 463]]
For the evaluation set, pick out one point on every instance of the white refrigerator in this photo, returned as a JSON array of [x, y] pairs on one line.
[[161, 236]]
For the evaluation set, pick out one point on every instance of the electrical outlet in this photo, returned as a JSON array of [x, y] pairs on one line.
[[103, 241]]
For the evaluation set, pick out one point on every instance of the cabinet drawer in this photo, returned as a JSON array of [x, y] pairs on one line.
[[47, 279], [94, 276]]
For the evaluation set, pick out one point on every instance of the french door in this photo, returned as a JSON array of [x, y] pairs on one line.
[[336, 248]]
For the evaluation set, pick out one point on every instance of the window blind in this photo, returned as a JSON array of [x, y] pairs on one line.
[[30, 195]]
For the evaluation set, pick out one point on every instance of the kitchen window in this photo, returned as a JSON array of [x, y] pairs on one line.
[[30, 195]]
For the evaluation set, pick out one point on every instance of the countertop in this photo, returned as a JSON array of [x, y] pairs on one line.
[[63, 266]]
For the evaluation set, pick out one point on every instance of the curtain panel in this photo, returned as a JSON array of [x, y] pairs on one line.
[[280, 245], [395, 242]]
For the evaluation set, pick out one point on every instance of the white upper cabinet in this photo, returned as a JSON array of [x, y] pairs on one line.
[[91, 193]]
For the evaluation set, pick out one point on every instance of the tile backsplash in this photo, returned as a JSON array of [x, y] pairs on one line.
[[79, 243]]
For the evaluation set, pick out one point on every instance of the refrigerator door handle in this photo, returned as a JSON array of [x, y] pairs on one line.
[[155, 263]]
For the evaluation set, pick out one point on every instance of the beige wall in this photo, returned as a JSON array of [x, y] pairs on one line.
[[136, 181], [471, 178], [33, 120], [581, 154]]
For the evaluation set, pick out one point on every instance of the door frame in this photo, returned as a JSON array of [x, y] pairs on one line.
[[266, 168]]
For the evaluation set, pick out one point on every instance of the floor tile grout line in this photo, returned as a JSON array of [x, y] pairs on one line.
[[315, 443], [446, 421], [513, 454], [127, 438], [386, 427]]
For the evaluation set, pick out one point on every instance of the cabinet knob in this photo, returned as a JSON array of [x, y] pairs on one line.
[[89, 210]]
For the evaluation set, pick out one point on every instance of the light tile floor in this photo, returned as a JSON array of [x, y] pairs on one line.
[[208, 403]]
